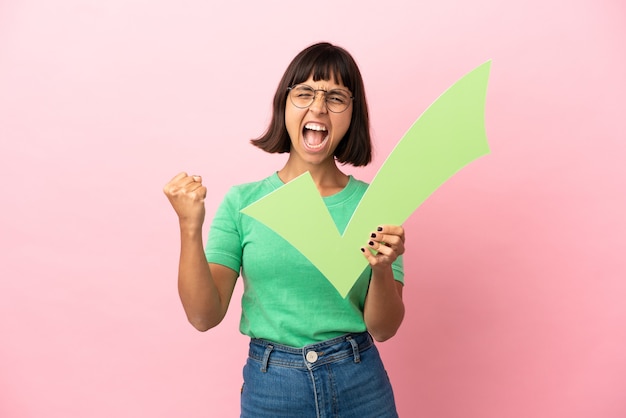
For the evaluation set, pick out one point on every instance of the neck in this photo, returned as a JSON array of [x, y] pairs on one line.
[[327, 178]]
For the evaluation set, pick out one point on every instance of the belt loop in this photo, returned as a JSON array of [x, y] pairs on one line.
[[266, 357], [355, 349]]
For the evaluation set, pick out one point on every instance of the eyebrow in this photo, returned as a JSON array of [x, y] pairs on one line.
[[343, 89]]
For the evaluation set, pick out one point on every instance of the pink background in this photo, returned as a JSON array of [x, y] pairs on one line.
[[515, 267]]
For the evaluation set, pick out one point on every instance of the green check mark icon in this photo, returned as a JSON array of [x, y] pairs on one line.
[[447, 136]]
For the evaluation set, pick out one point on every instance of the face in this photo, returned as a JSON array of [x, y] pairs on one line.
[[315, 131]]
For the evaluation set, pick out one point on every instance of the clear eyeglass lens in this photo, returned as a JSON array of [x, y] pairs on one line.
[[303, 96]]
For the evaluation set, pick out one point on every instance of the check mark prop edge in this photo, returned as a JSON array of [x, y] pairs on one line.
[[447, 136]]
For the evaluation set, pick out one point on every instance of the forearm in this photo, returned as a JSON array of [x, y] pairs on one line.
[[198, 293], [384, 308]]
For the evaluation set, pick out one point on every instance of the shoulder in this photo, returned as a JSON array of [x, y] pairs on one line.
[[354, 182], [246, 193], [356, 186]]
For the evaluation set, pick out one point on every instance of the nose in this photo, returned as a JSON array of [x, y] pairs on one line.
[[319, 102]]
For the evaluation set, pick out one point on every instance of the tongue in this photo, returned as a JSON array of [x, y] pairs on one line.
[[314, 137]]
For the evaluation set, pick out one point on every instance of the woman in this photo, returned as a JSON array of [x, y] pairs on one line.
[[311, 351]]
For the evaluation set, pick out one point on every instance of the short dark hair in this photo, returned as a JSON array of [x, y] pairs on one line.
[[323, 61]]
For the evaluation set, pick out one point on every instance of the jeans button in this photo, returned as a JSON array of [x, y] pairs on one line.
[[311, 356]]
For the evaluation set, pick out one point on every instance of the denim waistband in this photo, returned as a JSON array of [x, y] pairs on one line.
[[310, 356]]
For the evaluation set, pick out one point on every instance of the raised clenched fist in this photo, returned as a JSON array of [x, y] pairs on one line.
[[186, 194]]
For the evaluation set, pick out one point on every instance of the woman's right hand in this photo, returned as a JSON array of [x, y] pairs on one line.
[[187, 194]]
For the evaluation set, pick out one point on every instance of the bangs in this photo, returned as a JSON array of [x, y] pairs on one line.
[[328, 64]]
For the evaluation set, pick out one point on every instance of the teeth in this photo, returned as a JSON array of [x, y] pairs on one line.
[[315, 127], [312, 126]]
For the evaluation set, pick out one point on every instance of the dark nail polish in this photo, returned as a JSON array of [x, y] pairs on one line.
[[380, 228], [362, 249], [373, 235], [371, 243]]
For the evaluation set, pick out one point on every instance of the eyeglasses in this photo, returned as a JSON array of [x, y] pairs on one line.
[[303, 96]]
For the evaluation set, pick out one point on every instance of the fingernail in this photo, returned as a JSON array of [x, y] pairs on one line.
[[362, 249], [371, 243], [373, 235], [380, 228]]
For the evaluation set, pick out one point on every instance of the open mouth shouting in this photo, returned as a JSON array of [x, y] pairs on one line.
[[315, 136]]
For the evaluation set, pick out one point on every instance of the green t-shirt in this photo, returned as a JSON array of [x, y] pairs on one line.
[[286, 299]]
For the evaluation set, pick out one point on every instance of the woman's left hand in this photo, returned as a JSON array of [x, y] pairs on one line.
[[388, 243]]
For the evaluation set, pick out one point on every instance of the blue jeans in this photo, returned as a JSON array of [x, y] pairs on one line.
[[343, 377]]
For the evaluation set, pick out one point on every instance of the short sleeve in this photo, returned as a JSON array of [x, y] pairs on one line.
[[224, 241]]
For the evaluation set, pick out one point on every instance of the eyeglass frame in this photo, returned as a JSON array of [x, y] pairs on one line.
[[290, 89]]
